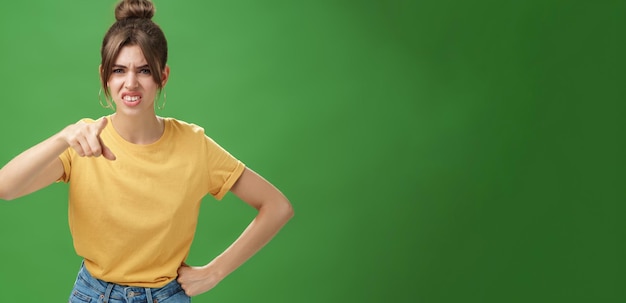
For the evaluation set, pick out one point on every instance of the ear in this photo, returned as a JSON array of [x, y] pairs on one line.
[[165, 75]]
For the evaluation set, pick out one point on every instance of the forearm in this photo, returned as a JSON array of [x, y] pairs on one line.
[[261, 230], [274, 211], [24, 169], [36, 167]]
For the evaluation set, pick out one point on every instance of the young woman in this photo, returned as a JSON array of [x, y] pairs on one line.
[[136, 180]]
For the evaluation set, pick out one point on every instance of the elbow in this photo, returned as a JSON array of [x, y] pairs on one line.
[[279, 209], [286, 210]]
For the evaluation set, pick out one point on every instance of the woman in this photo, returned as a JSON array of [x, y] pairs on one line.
[[136, 180]]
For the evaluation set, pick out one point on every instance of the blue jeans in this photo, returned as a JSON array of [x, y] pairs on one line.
[[90, 289]]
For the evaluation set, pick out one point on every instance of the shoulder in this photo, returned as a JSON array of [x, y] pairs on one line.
[[181, 129], [182, 126]]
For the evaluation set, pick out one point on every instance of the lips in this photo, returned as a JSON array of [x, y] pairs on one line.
[[131, 99]]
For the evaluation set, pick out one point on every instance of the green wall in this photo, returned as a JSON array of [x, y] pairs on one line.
[[434, 151]]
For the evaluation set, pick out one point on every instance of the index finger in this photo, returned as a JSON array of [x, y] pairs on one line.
[[106, 152]]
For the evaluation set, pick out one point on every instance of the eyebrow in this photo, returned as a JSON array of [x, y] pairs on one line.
[[122, 66]]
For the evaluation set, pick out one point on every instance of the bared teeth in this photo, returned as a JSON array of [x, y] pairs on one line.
[[131, 98]]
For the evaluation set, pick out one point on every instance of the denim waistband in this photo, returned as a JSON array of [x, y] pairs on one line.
[[109, 290]]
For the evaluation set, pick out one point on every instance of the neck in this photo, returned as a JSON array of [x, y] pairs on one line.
[[138, 129]]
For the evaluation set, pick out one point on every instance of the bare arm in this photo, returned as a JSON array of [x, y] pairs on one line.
[[33, 169], [39, 166], [274, 211]]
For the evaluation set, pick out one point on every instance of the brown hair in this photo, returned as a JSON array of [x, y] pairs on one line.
[[134, 26]]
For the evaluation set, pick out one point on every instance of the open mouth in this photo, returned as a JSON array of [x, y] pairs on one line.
[[131, 98]]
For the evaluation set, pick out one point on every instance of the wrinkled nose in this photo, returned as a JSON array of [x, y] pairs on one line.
[[131, 81]]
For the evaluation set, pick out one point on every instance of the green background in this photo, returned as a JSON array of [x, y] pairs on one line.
[[434, 151]]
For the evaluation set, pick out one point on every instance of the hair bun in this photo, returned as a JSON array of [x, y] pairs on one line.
[[129, 9]]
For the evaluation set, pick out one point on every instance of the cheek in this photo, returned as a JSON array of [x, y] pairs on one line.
[[115, 84], [148, 84]]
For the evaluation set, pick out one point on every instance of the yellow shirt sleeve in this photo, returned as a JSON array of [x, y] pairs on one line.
[[224, 169]]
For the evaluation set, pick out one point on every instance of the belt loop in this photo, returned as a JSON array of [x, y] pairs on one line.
[[149, 295], [107, 294]]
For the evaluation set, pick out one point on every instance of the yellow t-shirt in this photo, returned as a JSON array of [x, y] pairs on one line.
[[133, 219]]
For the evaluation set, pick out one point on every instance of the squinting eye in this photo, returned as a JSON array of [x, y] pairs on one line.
[[118, 71], [145, 71]]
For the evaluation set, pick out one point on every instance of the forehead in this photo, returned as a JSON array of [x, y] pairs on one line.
[[131, 55]]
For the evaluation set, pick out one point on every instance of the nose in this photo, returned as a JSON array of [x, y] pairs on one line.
[[131, 81]]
